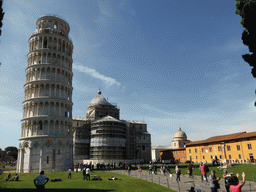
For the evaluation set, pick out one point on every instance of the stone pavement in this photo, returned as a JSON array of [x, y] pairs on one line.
[[185, 182]]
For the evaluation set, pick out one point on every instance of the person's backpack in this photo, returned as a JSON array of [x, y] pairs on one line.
[[228, 179], [84, 172], [207, 169]]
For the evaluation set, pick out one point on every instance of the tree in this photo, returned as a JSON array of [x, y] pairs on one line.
[[1, 16], [247, 10], [12, 151]]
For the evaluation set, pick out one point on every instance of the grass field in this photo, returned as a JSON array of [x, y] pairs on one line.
[[249, 169], [126, 183]]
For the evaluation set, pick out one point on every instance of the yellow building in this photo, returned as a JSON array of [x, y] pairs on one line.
[[237, 147]]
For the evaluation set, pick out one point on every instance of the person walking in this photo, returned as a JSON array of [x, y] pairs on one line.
[[69, 173], [202, 168], [87, 171], [214, 182], [227, 176], [190, 170], [40, 181], [164, 169], [84, 173], [234, 183], [178, 173], [129, 169], [150, 168], [155, 169]]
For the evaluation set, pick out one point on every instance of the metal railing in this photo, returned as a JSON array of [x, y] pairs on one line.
[[185, 184]]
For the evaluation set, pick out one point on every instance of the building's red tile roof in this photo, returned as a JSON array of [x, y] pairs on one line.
[[177, 149], [221, 138]]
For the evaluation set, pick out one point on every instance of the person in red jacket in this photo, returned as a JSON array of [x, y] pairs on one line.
[[203, 172]]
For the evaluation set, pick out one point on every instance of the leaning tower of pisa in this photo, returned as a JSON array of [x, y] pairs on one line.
[[46, 137]]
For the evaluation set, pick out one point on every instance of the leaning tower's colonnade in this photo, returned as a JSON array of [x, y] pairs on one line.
[[46, 126]]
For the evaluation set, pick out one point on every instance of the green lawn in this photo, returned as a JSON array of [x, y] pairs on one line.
[[126, 183], [249, 169]]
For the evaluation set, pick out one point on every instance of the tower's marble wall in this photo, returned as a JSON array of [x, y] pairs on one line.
[[46, 126]]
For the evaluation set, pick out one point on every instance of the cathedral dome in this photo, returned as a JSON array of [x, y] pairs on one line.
[[99, 100], [180, 135]]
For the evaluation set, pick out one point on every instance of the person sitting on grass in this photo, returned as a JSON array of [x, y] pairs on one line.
[[96, 178], [234, 183], [56, 180], [113, 178], [8, 177], [15, 178], [41, 180]]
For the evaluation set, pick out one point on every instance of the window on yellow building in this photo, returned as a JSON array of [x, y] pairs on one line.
[[210, 149], [196, 157], [228, 147], [229, 156], [220, 157], [203, 157], [238, 147], [202, 150], [189, 150], [211, 156], [219, 148], [239, 156], [195, 150], [249, 146]]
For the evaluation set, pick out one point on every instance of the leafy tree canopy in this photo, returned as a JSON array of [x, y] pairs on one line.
[[247, 10], [12, 151], [1, 16]]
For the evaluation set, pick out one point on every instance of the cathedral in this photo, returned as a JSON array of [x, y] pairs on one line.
[[51, 139], [103, 137]]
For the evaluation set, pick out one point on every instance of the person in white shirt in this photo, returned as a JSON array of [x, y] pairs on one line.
[[69, 173], [87, 173], [41, 180], [150, 169]]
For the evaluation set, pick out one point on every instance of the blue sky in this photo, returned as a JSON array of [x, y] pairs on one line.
[[171, 63]]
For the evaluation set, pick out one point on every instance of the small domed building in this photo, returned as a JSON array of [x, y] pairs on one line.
[[180, 139], [178, 151], [102, 137]]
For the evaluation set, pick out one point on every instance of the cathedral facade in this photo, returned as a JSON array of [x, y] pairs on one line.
[[103, 137]]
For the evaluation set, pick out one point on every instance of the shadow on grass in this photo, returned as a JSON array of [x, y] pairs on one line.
[[53, 190]]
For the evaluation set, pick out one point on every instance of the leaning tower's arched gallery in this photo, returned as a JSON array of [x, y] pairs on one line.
[[51, 140]]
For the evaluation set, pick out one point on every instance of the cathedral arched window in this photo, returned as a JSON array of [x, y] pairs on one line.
[[40, 125]]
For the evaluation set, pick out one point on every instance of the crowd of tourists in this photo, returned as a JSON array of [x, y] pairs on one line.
[[8, 163], [103, 166], [231, 181]]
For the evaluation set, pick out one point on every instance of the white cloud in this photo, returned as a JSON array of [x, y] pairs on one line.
[[92, 72], [154, 109]]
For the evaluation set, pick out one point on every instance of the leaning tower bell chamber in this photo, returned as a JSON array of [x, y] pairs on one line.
[[46, 126]]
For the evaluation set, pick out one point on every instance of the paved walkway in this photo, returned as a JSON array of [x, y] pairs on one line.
[[185, 184]]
